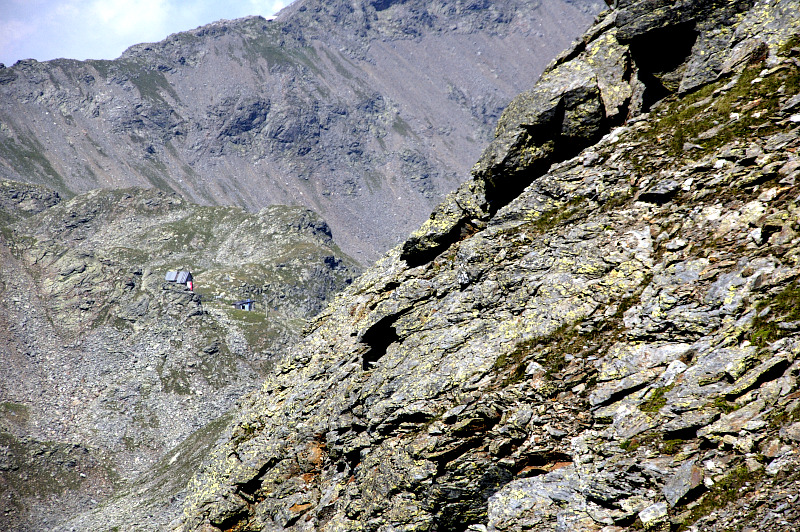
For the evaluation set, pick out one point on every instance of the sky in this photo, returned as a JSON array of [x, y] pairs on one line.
[[103, 29]]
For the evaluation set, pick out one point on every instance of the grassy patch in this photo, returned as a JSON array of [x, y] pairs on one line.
[[102, 66], [784, 307], [178, 466], [337, 65], [657, 400], [672, 447], [260, 330], [41, 468], [401, 127], [791, 44], [548, 219], [270, 46], [649, 439], [550, 351], [174, 380], [724, 406], [543, 350], [14, 412], [779, 418], [151, 83], [156, 173], [628, 302], [26, 156], [729, 489], [569, 339], [654, 440], [711, 120], [554, 217]]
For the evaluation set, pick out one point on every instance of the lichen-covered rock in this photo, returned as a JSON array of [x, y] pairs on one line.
[[616, 71], [610, 347], [568, 108]]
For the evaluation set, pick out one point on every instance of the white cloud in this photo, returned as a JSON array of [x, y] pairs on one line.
[[13, 31], [97, 29], [129, 17], [267, 7]]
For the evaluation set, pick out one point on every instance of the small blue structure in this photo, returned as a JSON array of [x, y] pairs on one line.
[[245, 304], [171, 276]]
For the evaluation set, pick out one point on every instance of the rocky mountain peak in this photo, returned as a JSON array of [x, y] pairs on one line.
[[365, 21]]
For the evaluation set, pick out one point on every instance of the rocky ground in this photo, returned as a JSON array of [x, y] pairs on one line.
[[597, 333], [366, 113], [114, 384], [109, 373]]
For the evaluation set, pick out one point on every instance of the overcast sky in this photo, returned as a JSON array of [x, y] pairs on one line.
[[102, 29]]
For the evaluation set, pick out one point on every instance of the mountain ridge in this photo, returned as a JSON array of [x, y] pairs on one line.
[[255, 112], [116, 383]]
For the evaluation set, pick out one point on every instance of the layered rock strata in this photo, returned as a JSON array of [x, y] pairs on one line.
[[597, 332]]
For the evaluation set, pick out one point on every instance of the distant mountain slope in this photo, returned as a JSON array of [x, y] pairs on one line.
[[365, 112], [105, 367]]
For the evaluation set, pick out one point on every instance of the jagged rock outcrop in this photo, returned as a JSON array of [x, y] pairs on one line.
[[111, 376], [365, 112], [598, 332], [617, 70], [19, 200]]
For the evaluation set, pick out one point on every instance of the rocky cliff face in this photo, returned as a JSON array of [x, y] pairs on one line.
[[366, 112], [598, 332], [109, 373]]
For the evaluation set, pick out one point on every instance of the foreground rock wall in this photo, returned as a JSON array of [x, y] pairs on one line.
[[598, 332]]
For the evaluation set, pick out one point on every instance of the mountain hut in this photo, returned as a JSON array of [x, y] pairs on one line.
[[245, 304]]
